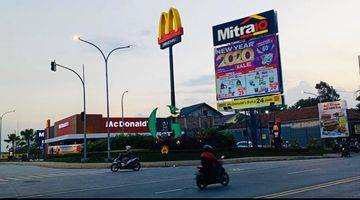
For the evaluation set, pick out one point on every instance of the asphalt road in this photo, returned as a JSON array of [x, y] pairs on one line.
[[335, 177]]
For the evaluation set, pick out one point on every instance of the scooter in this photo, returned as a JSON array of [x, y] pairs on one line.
[[133, 164], [344, 152], [202, 181]]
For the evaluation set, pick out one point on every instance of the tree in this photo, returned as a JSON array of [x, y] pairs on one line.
[[326, 92], [28, 135], [305, 103], [14, 140]]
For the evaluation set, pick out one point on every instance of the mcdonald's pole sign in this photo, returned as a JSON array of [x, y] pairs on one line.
[[170, 29]]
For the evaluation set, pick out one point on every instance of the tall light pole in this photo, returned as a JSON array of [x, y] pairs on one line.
[[304, 92], [1, 117], [53, 68], [106, 58], [122, 110]]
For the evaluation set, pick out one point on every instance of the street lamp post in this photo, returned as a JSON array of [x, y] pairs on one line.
[[106, 58], [53, 68], [1, 117], [312, 94], [122, 111]]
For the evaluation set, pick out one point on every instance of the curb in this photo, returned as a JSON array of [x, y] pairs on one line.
[[63, 165]]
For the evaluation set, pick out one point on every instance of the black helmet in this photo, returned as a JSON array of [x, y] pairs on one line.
[[207, 147]]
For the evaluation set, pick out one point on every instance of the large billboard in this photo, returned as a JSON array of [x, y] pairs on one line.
[[252, 26], [247, 69], [333, 119]]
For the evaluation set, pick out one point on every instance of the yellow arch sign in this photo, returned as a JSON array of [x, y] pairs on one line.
[[169, 26]]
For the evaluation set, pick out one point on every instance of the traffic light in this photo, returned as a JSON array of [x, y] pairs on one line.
[[53, 66]]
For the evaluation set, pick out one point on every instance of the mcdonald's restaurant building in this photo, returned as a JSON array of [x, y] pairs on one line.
[[300, 125]]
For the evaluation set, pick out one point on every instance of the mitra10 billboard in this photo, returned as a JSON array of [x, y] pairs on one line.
[[255, 25], [333, 119], [249, 68]]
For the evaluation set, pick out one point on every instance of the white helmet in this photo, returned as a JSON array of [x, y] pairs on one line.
[[128, 147]]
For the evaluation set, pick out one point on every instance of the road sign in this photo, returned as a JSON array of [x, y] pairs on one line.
[[165, 149]]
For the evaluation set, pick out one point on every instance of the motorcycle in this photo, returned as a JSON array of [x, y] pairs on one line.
[[344, 152], [202, 180], [133, 163]]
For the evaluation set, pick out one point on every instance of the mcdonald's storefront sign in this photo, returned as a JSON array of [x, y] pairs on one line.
[[170, 29]]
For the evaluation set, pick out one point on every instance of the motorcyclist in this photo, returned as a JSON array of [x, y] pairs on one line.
[[124, 157], [209, 161]]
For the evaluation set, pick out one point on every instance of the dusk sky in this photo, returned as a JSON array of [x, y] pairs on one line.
[[319, 41]]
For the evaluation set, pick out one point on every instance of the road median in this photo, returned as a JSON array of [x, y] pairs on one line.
[[64, 165]]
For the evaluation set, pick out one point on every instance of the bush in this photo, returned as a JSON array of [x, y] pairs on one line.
[[295, 145], [314, 144], [120, 141]]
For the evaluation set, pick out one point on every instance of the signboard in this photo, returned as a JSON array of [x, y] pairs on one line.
[[164, 149], [170, 29], [250, 68], [251, 26], [333, 119], [131, 125], [40, 138], [357, 129], [65, 126], [254, 102], [64, 149]]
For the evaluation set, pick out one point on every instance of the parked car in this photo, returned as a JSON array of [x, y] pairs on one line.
[[244, 144]]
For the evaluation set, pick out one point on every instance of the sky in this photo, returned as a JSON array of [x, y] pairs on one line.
[[319, 41]]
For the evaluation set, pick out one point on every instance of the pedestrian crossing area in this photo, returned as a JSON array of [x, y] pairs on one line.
[[47, 175]]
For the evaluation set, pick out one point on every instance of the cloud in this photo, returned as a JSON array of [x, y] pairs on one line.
[[202, 80]]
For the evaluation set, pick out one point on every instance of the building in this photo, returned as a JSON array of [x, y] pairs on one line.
[[199, 116], [298, 125]]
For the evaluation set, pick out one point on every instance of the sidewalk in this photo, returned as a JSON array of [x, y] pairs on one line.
[[63, 165]]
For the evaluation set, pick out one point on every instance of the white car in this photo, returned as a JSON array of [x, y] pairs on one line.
[[244, 144]]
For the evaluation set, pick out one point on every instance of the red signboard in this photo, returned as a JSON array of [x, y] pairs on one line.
[[65, 126], [131, 125]]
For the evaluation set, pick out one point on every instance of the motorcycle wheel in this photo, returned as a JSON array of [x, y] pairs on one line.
[[200, 182], [114, 167], [137, 167], [225, 179]]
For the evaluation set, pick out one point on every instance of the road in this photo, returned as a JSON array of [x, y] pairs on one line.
[[334, 177]]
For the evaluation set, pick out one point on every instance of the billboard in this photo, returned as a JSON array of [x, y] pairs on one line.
[[333, 119], [247, 69], [254, 102], [245, 28], [64, 149]]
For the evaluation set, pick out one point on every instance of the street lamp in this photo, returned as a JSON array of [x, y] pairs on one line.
[[106, 58], [122, 110], [53, 68], [304, 92], [1, 117]]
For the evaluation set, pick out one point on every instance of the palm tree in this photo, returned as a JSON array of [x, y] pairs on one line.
[[27, 135], [14, 140]]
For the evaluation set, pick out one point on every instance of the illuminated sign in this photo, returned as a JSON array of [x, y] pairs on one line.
[[63, 125], [248, 27], [170, 29], [255, 102]]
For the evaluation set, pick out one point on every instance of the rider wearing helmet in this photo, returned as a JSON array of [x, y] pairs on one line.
[[127, 155], [208, 159]]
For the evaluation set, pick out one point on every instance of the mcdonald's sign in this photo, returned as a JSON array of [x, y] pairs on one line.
[[170, 29]]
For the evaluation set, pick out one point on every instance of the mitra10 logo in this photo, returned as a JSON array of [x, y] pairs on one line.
[[170, 29], [248, 27]]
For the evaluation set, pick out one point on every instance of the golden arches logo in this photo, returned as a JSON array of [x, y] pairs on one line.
[[169, 26]]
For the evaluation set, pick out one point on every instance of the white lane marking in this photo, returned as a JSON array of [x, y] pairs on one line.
[[3, 180], [100, 188], [166, 191], [309, 188], [11, 178], [308, 170]]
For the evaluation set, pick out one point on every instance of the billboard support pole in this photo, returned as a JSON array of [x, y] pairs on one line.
[[172, 86], [253, 127]]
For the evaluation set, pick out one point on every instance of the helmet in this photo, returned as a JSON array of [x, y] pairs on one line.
[[207, 147], [127, 147]]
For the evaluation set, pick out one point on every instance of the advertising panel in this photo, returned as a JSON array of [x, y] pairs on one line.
[[245, 28], [65, 126], [246, 69], [255, 102], [64, 149], [333, 119]]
